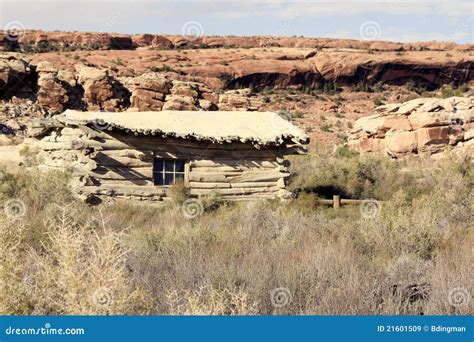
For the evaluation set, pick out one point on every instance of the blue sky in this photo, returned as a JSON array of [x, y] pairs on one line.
[[404, 20]]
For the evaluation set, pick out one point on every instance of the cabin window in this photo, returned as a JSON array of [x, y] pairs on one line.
[[167, 171]]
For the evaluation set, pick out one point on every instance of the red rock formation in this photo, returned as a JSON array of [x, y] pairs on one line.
[[102, 92], [425, 125], [51, 93]]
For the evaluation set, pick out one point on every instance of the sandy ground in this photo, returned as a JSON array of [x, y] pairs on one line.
[[10, 158]]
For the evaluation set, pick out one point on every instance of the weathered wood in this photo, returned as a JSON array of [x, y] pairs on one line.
[[142, 155], [260, 163], [259, 177], [225, 169], [120, 173], [41, 127], [94, 134], [253, 197], [128, 190], [233, 191], [72, 131], [102, 159], [287, 150], [212, 176], [254, 185], [194, 149], [203, 185], [336, 201], [159, 141], [146, 182]]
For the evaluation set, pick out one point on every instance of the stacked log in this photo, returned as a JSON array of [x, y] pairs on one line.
[[113, 164]]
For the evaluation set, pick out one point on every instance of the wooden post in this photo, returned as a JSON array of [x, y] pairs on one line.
[[336, 201]]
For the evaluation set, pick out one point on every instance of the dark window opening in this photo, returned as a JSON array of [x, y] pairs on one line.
[[167, 171]]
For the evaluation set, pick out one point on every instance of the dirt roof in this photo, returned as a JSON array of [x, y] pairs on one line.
[[263, 128]]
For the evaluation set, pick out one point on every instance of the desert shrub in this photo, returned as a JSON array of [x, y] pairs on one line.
[[326, 128], [60, 258], [178, 192], [360, 86], [210, 301], [330, 88], [378, 101], [352, 174], [136, 259]]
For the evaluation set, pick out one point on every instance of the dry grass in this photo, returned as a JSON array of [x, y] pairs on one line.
[[124, 259]]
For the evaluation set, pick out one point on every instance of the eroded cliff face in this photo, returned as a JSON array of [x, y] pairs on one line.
[[420, 126], [258, 62], [103, 40], [325, 84]]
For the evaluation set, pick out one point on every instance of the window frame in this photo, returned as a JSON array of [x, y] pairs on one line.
[[164, 172]]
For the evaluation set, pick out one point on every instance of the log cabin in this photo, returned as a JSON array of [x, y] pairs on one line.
[[140, 155]]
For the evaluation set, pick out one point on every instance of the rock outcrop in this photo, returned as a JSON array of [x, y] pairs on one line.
[[149, 92], [106, 41], [51, 92], [420, 126], [101, 91], [190, 96], [241, 99], [15, 77]]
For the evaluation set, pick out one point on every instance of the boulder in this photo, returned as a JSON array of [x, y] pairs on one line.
[[147, 100], [437, 136], [426, 119], [378, 125], [367, 144], [101, 91], [149, 92], [401, 143], [410, 106], [52, 94], [417, 126], [176, 102], [15, 77], [185, 89]]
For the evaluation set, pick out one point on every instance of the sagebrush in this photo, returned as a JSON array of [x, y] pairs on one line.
[[65, 257]]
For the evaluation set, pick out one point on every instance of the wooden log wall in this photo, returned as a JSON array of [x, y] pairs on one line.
[[121, 165]]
